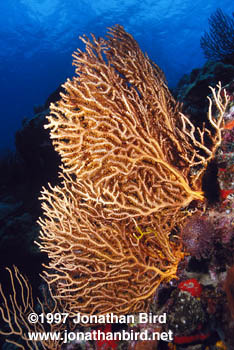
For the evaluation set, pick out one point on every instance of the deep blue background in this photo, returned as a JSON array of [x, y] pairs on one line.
[[37, 38]]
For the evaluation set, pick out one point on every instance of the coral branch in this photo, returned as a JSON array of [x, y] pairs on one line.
[[99, 266], [15, 312], [217, 123]]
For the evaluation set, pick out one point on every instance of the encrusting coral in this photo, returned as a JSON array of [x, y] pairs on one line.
[[131, 165]]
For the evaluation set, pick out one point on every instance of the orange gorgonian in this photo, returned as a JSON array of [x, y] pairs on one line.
[[131, 165]]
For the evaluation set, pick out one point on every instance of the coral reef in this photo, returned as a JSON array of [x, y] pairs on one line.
[[211, 250], [193, 88], [186, 315]]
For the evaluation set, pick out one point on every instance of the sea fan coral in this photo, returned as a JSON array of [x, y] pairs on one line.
[[103, 266], [119, 130], [218, 44], [131, 164], [19, 313]]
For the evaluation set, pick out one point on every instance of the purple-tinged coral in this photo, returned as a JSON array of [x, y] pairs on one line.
[[223, 221], [197, 236]]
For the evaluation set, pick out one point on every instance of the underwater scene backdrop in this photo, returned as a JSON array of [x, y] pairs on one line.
[[37, 39]]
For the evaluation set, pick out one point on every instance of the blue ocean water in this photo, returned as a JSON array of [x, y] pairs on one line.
[[37, 38]]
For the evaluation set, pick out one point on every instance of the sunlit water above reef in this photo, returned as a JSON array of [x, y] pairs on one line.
[[37, 39]]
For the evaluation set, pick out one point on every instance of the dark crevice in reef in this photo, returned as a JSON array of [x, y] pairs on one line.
[[210, 184]]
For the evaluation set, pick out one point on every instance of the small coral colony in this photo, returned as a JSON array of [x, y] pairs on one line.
[[129, 213]]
